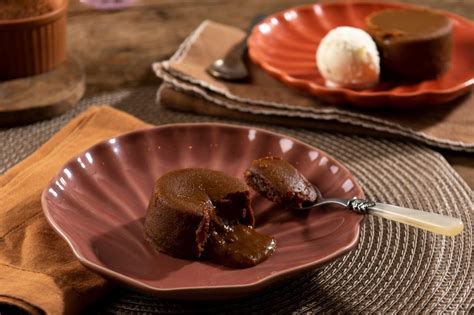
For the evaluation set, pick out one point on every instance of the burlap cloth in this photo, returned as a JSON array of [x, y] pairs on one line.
[[266, 99], [394, 267]]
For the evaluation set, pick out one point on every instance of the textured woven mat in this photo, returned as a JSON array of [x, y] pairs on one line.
[[394, 268]]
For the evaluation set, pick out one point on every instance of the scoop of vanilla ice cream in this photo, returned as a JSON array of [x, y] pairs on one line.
[[348, 57]]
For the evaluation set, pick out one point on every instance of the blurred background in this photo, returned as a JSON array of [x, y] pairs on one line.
[[117, 47]]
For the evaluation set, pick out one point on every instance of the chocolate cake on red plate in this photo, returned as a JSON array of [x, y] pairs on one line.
[[414, 44]]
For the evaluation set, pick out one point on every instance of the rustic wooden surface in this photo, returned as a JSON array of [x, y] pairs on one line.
[[117, 48], [43, 96]]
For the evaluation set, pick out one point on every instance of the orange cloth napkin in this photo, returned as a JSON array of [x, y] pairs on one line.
[[38, 271]]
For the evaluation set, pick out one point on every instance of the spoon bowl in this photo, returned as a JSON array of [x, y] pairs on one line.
[[232, 66]]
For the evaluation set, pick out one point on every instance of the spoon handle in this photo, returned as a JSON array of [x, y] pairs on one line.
[[241, 47], [433, 222]]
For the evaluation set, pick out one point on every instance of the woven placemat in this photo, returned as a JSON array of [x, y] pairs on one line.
[[394, 267]]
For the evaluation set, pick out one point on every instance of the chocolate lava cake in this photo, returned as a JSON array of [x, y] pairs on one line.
[[280, 182], [414, 44], [204, 213]]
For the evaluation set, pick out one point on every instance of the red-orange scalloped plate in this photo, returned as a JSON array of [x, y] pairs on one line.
[[285, 43]]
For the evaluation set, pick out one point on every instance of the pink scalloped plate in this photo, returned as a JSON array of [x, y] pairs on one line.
[[97, 203], [285, 44]]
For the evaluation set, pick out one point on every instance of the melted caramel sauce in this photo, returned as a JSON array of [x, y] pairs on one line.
[[238, 246]]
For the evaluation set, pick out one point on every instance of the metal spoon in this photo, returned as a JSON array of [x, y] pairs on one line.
[[433, 222], [232, 67]]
